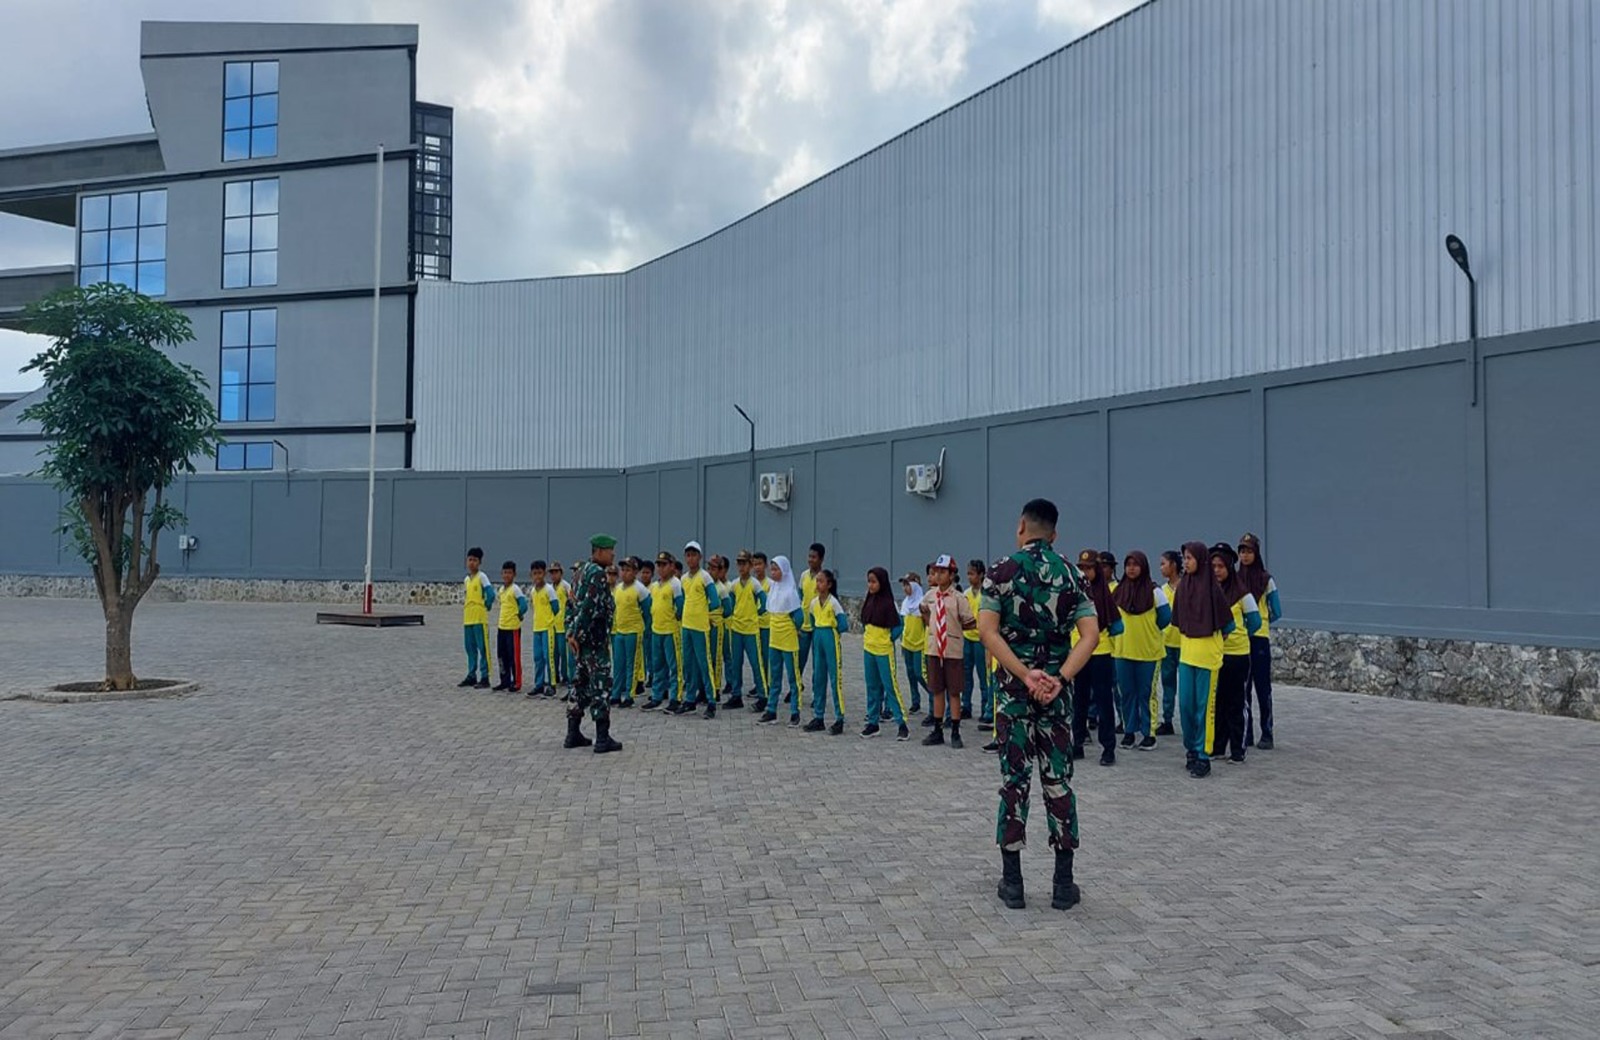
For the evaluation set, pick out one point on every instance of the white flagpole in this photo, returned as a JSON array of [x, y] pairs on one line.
[[372, 424]]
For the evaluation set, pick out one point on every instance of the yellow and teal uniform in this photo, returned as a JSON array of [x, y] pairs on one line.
[[546, 606], [1137, 651], [828, 619], [719, 638], [1232, 678], [877, 660], [513, 607], [765, 635], [477, 597], [913, 645], [808, 592], [975, 668], [1199, 661], [1261, 666], [1171, 644], [629, 602], [563, 593], [783, 635], [667, 644], [697, 601], [745, 624]]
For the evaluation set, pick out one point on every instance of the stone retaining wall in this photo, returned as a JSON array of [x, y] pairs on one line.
[[1543, 680]]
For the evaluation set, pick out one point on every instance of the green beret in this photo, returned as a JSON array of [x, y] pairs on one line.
[[602, 541]]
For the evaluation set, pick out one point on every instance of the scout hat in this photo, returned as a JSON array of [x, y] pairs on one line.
[[1088, 558], [945, 563], [744, 557]]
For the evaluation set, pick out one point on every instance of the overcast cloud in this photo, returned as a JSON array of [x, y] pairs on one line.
[[591, 135]]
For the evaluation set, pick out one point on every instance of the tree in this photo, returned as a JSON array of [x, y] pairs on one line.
[[122, 420]]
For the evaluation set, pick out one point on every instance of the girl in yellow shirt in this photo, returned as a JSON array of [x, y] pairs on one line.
[[828, 620], [881, 625], [784, 617], [1144, 612], [1203, 618]]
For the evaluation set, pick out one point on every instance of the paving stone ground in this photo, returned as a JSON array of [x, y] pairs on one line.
[[332, 841]]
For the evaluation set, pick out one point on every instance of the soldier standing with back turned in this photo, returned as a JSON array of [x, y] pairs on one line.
[[589, 639]]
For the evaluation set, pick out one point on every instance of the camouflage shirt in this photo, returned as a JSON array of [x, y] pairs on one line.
[[591, 606], [1040, 598]]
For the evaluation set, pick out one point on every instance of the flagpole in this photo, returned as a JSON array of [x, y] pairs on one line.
[[372, 421]]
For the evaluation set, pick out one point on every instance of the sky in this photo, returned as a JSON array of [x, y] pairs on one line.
[[591, 135]]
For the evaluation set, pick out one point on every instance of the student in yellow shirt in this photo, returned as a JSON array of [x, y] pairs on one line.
[[696, 601], [758, 570], [881, 625], [913, 639], [974, 660], [1145, 613], [1235, 672], [718, 566], [828, 620], [560, 674], [808, 592], [631, 601], [784, 609], [546, 604], [644, 671], [478, 597], [1204, 618], [1093, 684], [748, 605], [508, 639], [667, 667], [1172, 643], [1264, 587]]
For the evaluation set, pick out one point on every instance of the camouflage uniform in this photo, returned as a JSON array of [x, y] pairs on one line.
[[1040, 598], [590, 624]]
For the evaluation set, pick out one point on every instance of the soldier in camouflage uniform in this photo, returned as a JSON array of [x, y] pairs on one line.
[[1031, 602], [589, 640]]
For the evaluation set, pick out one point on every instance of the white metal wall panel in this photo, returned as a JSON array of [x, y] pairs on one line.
[[1199, 191]]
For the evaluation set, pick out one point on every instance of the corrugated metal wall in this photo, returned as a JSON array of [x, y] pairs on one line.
[[1201, 190]]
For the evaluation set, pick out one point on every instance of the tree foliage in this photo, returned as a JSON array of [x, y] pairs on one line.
[[123, 421]]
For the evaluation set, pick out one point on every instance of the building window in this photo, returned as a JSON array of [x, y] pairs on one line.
[[249, 110], [430, 191], [249, 391], [122, 238], [250, 233], [248, 455]]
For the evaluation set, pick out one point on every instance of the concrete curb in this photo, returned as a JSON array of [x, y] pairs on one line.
[[47, 695]]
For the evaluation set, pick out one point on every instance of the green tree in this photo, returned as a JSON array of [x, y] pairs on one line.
[[123, 421]]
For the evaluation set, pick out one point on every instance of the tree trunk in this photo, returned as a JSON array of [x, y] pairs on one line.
[[119, 648]]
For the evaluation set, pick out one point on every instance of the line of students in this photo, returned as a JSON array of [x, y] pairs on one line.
[[1187, 649]]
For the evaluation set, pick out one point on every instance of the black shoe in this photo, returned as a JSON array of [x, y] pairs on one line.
[[733, 702], [955, 735], [837, 727], [794, 720], [1128, 740], [870, 730], [575, 737], [904, 733], [814, 726], [986, 724], [470, 680], [711, 711], [1077, 752], [625, 703], [767, 718], [497, 687], [1265, 743], [916, 707], [549, 691], [1237, 758], [1119, 727], [1010, 890], [886, 715], [517, 689], [934, 738], [1200, 769], [1166, 730], [483, 684], [993, 747], [1064, 895], [928, 721], [1147, 744], [603, 744], [1108, 757], [649, 705], [759, 705]]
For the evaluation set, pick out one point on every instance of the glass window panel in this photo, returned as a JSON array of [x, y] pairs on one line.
[[123, 274], [258, 455], [236, 271], [124, 246], [266, 79], [236, 114], [235, 79], [91, 275], [262, 403], [153, 278], [264, 142], [235, 145], [264, 110], [264, 233], [236, 199], [230, 404], [230, 456], [153, 207], [264, 268], [266, 196], [263, 364], [235, 366], [264, 326], [152, 242], [125, 210], [93, 248], [94, 211], [235, 328], [236, 235]]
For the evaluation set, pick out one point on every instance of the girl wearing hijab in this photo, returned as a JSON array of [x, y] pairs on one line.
[[1093, 684], [1203, 618], [880, 627], [1144, 611], [828, 619], [783, 654], [1253, 572], [913, 639], [1245, 619], [1171, 569]]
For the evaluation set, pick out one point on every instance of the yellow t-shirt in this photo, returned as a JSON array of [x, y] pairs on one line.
[[1171, 637], [510, 612], [747, 619], [663, 614], [1237, 642], [784, 636], [546, 604], [1205, 652], [628, 619], [973, 596], [474, 610], [766, 619], [808, 592], [823, 614], [697, 601], [877, 640], [914, 636], [1141, 638]]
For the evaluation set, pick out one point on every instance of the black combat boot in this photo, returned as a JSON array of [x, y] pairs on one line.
[[1064, 894], [575, 737], [1010, 892], [603, 744]]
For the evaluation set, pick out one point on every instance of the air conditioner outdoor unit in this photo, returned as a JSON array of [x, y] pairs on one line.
[[775, 489], [924, 480]]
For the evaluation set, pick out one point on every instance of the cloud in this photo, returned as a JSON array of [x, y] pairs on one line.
[[591, 135]]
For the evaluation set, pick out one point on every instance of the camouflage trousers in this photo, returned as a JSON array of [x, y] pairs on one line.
[[591, 683], [1029, 732]]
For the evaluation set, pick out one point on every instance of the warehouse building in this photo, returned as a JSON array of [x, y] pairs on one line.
[[1186, 275]]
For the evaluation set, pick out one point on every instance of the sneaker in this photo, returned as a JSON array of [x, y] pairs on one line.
[[497, 687], [933, 739], [1147, 744], [794, 720], [1166, 730], [1200, 770], [1128, 740], [1108, 757], [711, 711], [549, 691], [986, 724], [649, 705], [759, 705], [517, 689], [767, 718], [904, 733], [483, 684], [993, 747], [1119, 727], [837, 727], [470, 680], [1237, 758], [814, 726], [870, 730], [1265, 743], [734, 702], [886, 715]]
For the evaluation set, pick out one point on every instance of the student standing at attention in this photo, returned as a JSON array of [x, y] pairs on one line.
[[808, 592], [560, 672], [477, 598], [1260, 583], [785, 613], [913, 637], [880, 627], [947, 614], [697, 601], [644, 672], [1172, 643], [1246, 619], [632, 605], [1204, 618], [758, 571], [508, 640], [664, 637], [749, 606], [1093, 685], [546, 605], [974, 660], [1144, 612], [828, 619], [719, 628]]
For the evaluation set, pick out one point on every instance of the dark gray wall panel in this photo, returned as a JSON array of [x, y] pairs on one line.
[[504, 516], [580, 508], [1159, 501], [1544, 476], [286, 527], [642, 537], [344, 527], [782, 532], [429, 527], [852, 495], [219, 516], [1366, 481], [680, 510], [1063, 460], [729, 508], [31, 513], [954, 522]]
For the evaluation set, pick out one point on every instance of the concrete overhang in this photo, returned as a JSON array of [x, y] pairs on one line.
[[180, 39], [42, 182], [22, 285]]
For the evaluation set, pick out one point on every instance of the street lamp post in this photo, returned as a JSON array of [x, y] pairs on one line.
[[1458, 252], [753, 488]]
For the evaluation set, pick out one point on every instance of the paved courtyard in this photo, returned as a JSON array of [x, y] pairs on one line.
[[332, 841]]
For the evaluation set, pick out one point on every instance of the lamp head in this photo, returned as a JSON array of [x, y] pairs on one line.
[[1458, 252]]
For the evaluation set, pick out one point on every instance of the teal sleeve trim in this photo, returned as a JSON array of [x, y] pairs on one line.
[[644, 608], [1117, 627], [713, 598], [798, 619], [895, 632], [843, 621], [761, 602], [1227, 629], [1163, 617], [677, 605], [1274, 608], [522, 605], [1252, 622]]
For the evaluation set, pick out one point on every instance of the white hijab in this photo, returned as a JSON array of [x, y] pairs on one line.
[[783, 597], [913, 600]]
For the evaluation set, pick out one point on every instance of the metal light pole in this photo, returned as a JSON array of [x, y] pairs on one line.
[[372, 422], [754, 493], [1458, 252]]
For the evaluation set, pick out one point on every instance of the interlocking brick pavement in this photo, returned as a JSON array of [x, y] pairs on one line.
[[332, 841]]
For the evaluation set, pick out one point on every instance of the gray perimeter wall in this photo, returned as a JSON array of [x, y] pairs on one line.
[[1387, 501]]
